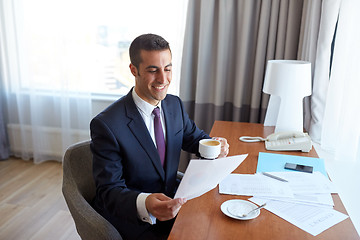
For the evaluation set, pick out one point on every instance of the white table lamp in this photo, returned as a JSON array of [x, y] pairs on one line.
[[288, 82]]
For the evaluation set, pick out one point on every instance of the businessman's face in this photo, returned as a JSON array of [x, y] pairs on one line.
[[153, 77]]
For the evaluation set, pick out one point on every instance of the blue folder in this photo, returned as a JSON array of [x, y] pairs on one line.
[[271, 162]]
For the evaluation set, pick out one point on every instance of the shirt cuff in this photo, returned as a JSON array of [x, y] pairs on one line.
[[143, 214]]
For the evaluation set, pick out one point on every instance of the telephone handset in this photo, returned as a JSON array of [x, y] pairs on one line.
[[284, 141], [283, 135]]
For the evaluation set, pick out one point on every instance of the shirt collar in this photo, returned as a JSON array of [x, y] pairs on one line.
[[144, 106]]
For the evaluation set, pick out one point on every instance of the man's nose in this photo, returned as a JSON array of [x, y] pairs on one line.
[[162, 78]]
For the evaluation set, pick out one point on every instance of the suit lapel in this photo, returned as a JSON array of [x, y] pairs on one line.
[[170, 134], [140, 131]]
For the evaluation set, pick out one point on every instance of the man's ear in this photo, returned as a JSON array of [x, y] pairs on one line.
[[133, 69]]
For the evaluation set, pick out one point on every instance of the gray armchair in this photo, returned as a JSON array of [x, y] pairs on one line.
[[79, 189]]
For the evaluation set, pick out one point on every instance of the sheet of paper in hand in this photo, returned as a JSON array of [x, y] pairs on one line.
[[203, 175]]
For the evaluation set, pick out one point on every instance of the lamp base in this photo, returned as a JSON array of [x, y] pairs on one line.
[[272, 111], [286, 116]]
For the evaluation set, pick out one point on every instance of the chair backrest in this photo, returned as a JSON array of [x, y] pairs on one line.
[[79, 189]]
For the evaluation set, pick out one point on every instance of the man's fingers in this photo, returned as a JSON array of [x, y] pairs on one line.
[[163, 207], [224, 146], [177, 202], [174, 206], [161, 197]]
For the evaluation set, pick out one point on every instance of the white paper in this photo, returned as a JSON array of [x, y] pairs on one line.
[[254, 185], [320, 200], [313, 220], [307, 183], [203, 175]]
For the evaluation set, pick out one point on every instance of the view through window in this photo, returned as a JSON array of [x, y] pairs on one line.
[[83, 45]]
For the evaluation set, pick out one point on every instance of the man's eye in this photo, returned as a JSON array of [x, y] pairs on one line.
[[152, 71], [168, 69]]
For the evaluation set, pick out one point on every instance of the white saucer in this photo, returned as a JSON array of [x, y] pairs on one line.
[[236, 207]]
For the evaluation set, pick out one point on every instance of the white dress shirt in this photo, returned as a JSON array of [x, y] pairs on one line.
[[145, 109]]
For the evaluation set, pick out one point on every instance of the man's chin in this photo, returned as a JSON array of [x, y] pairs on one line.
[[160, 98], [160, 95]]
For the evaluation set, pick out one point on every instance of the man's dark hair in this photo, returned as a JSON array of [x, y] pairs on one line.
[[148, 42]]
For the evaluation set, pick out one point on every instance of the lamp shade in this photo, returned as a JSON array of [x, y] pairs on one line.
[[288, 82]]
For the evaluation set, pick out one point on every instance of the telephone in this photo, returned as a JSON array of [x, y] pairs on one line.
[[284, 141], [288, 141]]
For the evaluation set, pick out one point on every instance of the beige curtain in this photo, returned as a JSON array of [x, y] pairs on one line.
[[226, 48]]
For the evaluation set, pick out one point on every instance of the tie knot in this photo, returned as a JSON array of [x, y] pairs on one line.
[[156, 112]]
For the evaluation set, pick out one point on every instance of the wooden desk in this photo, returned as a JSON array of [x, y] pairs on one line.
[[201, 218]]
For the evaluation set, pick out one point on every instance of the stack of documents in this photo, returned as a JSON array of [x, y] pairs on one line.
[[304, 199], [313, 189]]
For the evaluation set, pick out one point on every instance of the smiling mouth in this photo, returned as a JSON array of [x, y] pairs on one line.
[[159, 88]]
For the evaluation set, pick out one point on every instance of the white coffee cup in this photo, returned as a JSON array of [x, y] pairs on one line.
[[209, 148]]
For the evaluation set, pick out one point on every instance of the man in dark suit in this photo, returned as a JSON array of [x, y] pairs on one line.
[[135, 170]]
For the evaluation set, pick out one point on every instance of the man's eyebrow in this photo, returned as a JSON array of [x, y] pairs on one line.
[[153, 66]]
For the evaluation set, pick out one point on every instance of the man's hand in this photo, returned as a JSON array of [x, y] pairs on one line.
[[162, 207], [224, 147]]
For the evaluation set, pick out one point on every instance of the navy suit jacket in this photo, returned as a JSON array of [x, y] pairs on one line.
[[126, 161]]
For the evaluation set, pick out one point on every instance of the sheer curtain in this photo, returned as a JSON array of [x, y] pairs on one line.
[[48, 108], [341, 130], [322, 69]]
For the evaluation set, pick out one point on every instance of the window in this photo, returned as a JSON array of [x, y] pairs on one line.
[[83, 45]]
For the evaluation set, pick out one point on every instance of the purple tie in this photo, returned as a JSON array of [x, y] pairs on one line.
[[159, 135]]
